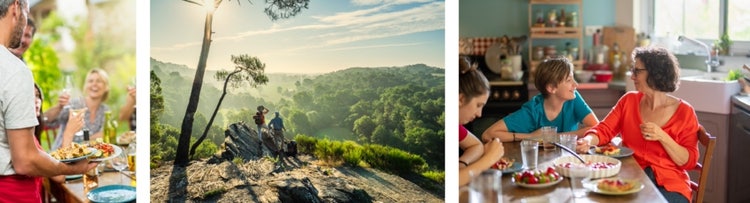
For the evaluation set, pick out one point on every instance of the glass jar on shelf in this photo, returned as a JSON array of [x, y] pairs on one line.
[[573, 19], [538, 53]]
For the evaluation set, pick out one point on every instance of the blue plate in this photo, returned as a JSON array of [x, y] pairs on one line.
[[112, 193], [516, 167]]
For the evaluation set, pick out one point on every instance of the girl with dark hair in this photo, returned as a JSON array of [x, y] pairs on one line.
[[473, 91]]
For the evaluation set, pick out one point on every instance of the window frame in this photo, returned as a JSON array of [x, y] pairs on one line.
[[739, 48]]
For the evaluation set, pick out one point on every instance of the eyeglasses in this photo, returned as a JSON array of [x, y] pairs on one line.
[[636, 70]]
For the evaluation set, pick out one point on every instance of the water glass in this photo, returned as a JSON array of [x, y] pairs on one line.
[[486, 187], [549, 135], [119, 163], [529, 153], [569, 141], [579, 174]]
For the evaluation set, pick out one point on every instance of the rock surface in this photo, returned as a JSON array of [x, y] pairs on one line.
[[258, 176]]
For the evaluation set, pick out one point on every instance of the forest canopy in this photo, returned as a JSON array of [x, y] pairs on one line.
[[400, 107]]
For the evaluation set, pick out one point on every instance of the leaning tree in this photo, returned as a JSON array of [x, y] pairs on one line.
[[247, 69], [275, 9]]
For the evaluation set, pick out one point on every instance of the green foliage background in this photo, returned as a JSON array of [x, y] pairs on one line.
[[107, 49], [397, 107]]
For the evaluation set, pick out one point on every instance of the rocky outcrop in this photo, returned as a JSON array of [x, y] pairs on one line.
[[260, 178], [242, 141]]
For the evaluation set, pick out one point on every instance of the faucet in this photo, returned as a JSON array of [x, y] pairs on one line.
[[709, 63]]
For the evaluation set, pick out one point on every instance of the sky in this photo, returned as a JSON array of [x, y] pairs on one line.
[[328, 36]]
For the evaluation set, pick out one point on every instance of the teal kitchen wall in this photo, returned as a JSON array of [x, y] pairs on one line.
[[494, 18]]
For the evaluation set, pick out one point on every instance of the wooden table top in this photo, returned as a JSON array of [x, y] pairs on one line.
[[562, 192], [73, 191]]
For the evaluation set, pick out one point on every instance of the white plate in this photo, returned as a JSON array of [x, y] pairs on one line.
[[538, 185], [71, 160], [624, 152], [117, 151], [592, 186]]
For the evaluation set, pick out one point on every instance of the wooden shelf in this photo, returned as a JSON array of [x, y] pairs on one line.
[[555, 1], [556, 32]]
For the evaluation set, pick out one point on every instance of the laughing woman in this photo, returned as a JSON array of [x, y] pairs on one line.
[[660, 128], [473, 91], [96, 90]]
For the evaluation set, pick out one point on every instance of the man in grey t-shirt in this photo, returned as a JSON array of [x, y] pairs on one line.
[[20, 158]]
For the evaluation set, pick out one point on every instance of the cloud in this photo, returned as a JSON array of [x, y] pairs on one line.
[[375, 22], [396, 2]]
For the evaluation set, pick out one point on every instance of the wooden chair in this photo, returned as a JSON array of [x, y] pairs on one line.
[[708, 142]]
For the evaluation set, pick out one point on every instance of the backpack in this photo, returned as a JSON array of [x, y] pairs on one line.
[[258, 118], [291, 148]]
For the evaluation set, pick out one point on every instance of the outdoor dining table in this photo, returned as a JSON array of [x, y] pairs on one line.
[[562, 191], [73, 191]]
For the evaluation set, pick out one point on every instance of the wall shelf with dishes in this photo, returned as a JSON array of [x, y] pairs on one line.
[[553, 23]]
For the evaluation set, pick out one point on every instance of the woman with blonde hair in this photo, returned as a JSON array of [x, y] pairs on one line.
[[96, 91]]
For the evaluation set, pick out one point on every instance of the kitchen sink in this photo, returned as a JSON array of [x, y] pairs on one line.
[[707, 92]]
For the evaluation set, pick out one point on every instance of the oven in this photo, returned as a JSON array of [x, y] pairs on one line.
[[505, 96]]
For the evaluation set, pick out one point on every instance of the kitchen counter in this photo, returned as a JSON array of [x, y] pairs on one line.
[[600, 97], [741, 100], [617, 85]]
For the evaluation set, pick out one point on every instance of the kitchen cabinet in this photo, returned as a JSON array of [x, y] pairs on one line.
[[545, 33], [739, 185], [718, 126]]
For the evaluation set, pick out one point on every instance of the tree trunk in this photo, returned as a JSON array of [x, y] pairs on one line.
[[216, 110], [181, 158]]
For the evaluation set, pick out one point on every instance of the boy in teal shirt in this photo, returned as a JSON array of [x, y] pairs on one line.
[[557, 104]]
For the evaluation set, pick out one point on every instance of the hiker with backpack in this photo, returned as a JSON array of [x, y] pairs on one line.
[[277, 127], [260, 120]]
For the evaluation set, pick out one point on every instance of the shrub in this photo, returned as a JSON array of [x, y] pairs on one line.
[[305, 144], [238, 160], [437, 176], [213, 192]]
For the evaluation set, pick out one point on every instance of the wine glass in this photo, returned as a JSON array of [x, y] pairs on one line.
[[67, 84], [119, 163]]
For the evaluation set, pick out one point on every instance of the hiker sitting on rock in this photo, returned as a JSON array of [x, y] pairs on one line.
[[260, 120], [277, 125]]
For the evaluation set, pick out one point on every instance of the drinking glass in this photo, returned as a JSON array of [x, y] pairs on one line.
[[119, 163], [131, 151], [549, 135], [579, 173], [486, 187], [67, 84], [569, 141], [529, 153]]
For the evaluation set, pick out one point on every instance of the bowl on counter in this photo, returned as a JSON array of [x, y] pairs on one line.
[[603, 76], [583, 76]]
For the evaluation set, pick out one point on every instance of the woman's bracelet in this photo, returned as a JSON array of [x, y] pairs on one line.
[[463, 162]]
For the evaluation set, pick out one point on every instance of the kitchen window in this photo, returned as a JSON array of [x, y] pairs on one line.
[[706, 20]]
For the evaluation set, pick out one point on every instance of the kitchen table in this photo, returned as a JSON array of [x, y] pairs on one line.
[[562, 192]]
